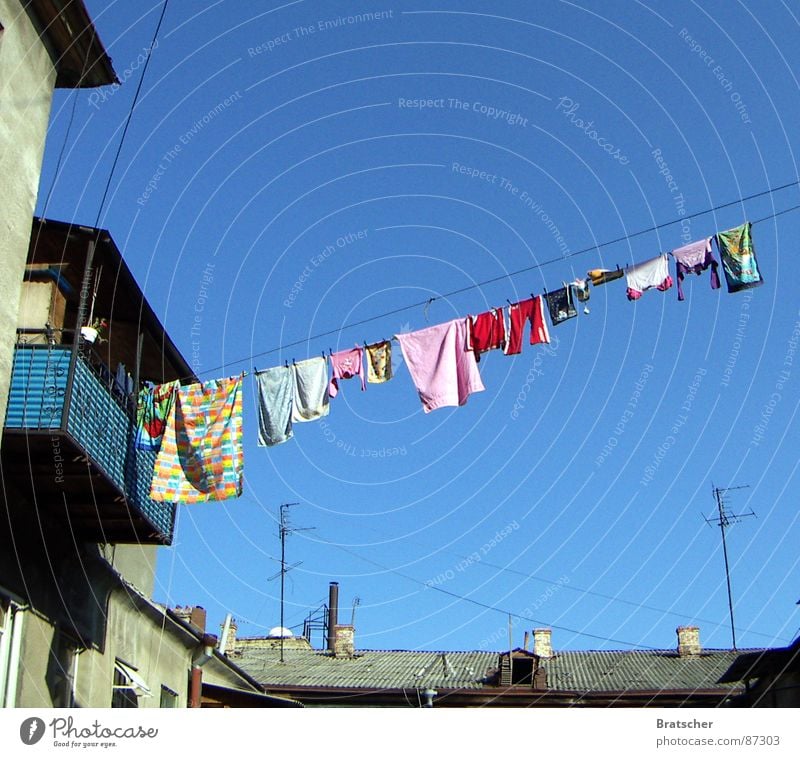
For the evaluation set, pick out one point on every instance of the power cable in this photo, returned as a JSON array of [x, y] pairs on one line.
[[130, 113], [527, 269], [485, 606]]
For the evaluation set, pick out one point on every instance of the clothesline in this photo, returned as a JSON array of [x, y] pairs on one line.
[[480, 284], [197, 428]]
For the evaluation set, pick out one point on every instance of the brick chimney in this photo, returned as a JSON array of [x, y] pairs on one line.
[[195, 616], [688, 641], [542, 644], [344, 641]]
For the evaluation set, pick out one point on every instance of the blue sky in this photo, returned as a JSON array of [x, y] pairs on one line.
[[391, 159]]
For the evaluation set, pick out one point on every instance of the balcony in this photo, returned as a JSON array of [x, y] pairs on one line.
[[69, 442]]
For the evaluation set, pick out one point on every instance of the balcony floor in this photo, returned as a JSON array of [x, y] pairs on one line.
[[72, 490]]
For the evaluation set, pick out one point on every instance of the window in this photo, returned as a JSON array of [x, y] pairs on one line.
[[169, 698], [128, 686], [62, 670], [522, 671], [11, 616]]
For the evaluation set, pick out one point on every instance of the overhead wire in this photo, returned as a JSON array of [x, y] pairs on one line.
[[485, 606], [427, 302], [130, 113]]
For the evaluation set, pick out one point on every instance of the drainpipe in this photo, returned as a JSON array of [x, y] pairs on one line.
[[203, 653], [8, 698]]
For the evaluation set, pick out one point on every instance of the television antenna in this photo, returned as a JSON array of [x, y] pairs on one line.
[[725, 520], [284, 529]]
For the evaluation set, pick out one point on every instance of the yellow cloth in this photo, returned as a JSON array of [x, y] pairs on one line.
[[379, 362]]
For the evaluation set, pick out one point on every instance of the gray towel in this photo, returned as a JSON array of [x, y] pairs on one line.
[[275, 399], [310, 389]]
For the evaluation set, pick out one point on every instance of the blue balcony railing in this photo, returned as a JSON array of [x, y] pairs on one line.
[[99, 421]]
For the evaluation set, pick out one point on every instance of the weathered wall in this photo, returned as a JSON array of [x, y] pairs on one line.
[[27, 78], [136, 638]]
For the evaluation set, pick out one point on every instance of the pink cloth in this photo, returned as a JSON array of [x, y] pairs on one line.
[[444, 372], [345, 365]]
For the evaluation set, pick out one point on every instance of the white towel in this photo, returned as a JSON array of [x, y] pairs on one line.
[[275, 400], [310, 390]]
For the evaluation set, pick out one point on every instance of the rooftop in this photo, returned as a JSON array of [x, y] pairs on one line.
[[581, 671]]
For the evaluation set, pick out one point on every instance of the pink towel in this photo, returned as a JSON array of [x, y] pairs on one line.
[[443, 370]]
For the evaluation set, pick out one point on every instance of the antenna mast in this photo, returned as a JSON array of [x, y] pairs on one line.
[[725, 519], [284, 529]]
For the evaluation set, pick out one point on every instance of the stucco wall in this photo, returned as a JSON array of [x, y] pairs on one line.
[[27, 78], [137, 639]]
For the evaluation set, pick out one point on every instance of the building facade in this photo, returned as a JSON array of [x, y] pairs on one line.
[[43, 45], [78, 531]]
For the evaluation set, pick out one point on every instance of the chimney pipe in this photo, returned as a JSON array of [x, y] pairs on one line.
[[333, 614], [525, 643], [542, 642]]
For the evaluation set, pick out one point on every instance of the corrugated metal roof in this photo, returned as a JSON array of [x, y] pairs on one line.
[[637, 670], [598, 671], [369, 669]]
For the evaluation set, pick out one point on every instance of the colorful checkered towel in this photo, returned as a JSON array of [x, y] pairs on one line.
[[201, 454]]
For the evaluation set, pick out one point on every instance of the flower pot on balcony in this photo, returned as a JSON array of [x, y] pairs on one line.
[[89, 334]]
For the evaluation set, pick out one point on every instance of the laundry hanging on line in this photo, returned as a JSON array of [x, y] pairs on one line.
[[201, 457], [486, 332], [695, 258], [152, 410], [738, 255], [275, 400], [521, 313], [560, 305], [443, 370], [379, 362], [650, 274], [346, 364], [442, 359], [311, 399]]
